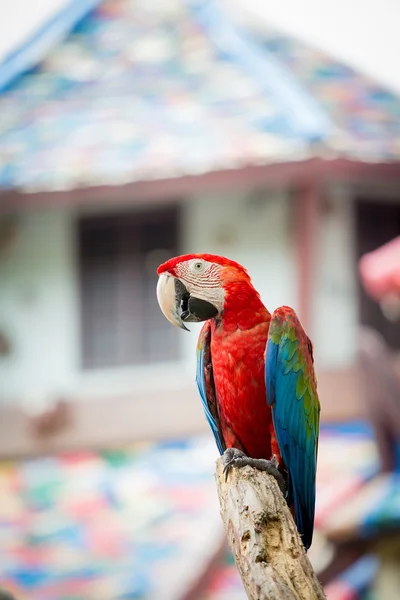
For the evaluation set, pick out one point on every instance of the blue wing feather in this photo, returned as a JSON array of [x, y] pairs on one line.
[[206, 387], [292, 395]]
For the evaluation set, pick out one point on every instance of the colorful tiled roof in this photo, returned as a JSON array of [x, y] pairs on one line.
[[139, 522], [128, 523], [365, 116], [147, 90]]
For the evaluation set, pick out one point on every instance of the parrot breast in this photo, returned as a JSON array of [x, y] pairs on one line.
[[238, 359]]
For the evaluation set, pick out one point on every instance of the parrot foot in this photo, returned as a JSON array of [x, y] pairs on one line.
[[233, 457]]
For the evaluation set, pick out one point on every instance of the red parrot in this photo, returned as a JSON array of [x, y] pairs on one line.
[[255, 374]]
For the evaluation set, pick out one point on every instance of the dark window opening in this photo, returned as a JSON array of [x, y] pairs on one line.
[[121, 322], [378, 222]]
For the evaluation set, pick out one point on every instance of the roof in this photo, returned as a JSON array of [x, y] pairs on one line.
[[366, 117], [148, 90], [337, 30], [53, 23]]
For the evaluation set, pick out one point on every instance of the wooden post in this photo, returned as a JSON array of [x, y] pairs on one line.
[[263, 537], [306, 210], [387, 584]]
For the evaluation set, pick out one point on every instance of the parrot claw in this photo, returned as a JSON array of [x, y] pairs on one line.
[[233, 457]]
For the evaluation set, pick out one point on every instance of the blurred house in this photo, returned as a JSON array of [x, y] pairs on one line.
[[158, 128]]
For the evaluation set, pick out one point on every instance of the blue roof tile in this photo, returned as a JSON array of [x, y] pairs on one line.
[[144, 90]]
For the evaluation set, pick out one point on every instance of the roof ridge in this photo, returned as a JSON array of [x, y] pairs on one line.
[[306, 117], [34, 49]]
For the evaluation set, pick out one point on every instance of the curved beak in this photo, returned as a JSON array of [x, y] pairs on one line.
[[170, 295], [178, 305]]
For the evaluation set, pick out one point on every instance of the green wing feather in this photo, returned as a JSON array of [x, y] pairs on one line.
[[292, 394]]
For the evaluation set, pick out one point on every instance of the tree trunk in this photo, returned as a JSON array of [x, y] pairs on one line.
[[263, 537]]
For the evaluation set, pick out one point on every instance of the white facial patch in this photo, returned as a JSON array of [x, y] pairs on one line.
[[214, 295], [202, 280]]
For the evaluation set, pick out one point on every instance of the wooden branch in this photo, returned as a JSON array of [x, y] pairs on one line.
[[263, 538]]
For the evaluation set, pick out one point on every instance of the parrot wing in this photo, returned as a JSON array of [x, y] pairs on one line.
[[206, 386], [292, 394]]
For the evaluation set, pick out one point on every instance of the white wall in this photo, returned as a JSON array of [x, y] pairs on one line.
[[335, 307], [39, 311], [256, 231], [252, 229], [39, 307]]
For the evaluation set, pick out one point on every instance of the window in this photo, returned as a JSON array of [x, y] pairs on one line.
[[121, 323], [377, 223]]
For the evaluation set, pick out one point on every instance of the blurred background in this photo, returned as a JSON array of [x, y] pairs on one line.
[[132, 131]]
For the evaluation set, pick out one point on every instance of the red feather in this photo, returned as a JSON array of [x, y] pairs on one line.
[[238, 344], [170, 264], [233, 383]]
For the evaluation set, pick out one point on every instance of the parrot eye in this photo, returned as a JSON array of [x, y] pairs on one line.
[[197, 266]]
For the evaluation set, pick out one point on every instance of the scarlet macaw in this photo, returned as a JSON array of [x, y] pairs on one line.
[[255, 374]]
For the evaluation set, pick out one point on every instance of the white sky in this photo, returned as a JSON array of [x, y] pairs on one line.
[[362, 33], [19, 18]]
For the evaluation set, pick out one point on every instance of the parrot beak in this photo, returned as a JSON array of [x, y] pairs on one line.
[[170, 297], [178, 305]]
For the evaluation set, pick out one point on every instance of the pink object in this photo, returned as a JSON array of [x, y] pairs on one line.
[[332, 496], [380, 270], [338, 590]]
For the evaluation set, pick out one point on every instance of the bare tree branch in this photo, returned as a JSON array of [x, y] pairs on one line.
[[263, 537]]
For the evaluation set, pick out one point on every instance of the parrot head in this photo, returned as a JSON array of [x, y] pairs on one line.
[[194, 287]]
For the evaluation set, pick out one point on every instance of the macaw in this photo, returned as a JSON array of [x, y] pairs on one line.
[[255, 374]]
